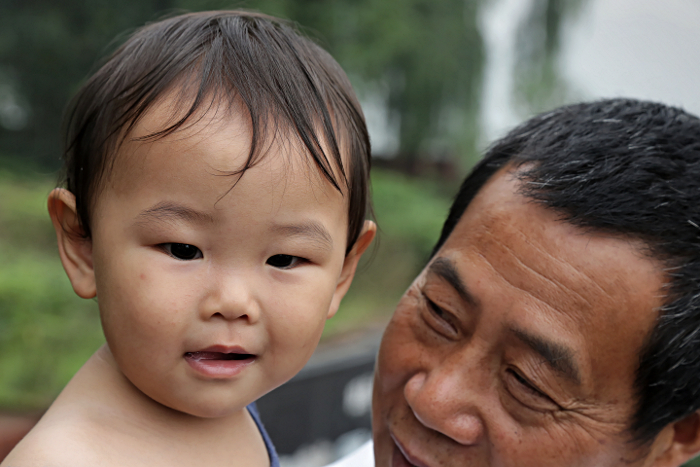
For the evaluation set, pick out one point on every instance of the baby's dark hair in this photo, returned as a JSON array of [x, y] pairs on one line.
[[288, 84]]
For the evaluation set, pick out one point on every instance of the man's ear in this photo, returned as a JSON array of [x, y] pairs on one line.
[[369, 230], [680, 442], [75, 250]]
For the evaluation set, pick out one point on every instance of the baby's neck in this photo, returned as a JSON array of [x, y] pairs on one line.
[[102, 396]]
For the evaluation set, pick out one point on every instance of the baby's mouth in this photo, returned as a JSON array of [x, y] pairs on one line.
[[204, 356], [219, 361]]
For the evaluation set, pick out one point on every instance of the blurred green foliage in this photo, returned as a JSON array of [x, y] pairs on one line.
[[426, 54], [422, 58], [410, 213], [46, 331]]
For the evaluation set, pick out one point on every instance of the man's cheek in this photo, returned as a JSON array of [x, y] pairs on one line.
[[396, 362]]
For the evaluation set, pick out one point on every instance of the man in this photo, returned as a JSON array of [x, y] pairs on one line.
[[558, 320]]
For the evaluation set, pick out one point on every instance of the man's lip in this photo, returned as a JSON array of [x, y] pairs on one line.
[[410, 458]]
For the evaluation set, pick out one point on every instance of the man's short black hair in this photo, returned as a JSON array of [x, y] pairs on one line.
[[629, 168], [289, 86]]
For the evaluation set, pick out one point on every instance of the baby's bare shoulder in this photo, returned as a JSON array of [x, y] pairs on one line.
[[50, 444]]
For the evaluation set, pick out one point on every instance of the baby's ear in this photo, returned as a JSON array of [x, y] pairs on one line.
[[369, 230], [73, 247]]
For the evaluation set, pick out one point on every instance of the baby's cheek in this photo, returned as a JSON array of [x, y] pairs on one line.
[[295, 340], [296, 315]]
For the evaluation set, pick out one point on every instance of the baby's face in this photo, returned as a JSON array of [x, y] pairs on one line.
[[211, 296]]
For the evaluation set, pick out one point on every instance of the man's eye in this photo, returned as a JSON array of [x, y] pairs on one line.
[[528, 394], [436, 310], [439, 319], [284, 261], [182, 251], [525, 383]]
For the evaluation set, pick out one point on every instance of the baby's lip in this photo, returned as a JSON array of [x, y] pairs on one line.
[[220, 361], [220, 352]]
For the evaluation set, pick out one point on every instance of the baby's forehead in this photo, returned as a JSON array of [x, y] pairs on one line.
[[203, 169], [218, 138]]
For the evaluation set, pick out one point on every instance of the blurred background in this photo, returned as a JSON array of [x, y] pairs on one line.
[[438, 80]]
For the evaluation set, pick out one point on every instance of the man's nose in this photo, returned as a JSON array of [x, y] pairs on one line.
[[441, 402], [230, 296]]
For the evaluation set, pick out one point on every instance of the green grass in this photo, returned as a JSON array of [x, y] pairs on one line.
[[47, 332]]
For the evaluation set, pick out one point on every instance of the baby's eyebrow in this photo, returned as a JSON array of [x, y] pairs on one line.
[[167, 211], [309, 229]]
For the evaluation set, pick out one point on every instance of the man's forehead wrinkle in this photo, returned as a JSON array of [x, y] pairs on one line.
[[499, 217], [498, 273], [568, 276], [542, 289], [550, 280]]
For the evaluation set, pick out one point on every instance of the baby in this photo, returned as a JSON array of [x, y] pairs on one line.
[[214, 205]]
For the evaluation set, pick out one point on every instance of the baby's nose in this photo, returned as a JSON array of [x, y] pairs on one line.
[[230, 297]]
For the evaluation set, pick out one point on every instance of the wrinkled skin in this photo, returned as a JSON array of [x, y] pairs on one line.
[[517, 346]]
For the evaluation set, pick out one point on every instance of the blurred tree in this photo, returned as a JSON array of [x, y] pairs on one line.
[[540, 85], [47, 49], [424, 57], [426, 54]]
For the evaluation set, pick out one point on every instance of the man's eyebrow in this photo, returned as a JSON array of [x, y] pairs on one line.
[[446, 269], [168, 211], [309, 229], [559, 357]]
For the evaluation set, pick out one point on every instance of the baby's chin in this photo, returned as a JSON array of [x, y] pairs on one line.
[[213, 401], [206, 409]]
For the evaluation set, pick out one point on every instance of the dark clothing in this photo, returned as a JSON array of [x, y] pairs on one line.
[[274, 459]]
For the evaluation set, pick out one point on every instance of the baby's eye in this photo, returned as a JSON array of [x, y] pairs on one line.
[[182, 251], [284, 261]]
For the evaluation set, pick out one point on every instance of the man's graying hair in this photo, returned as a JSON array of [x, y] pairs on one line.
[[629, 168]]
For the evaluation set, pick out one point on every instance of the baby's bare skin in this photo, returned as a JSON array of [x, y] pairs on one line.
[[210, 295], [101, 419]]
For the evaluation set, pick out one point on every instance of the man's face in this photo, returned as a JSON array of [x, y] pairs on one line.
[[517, 345]]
